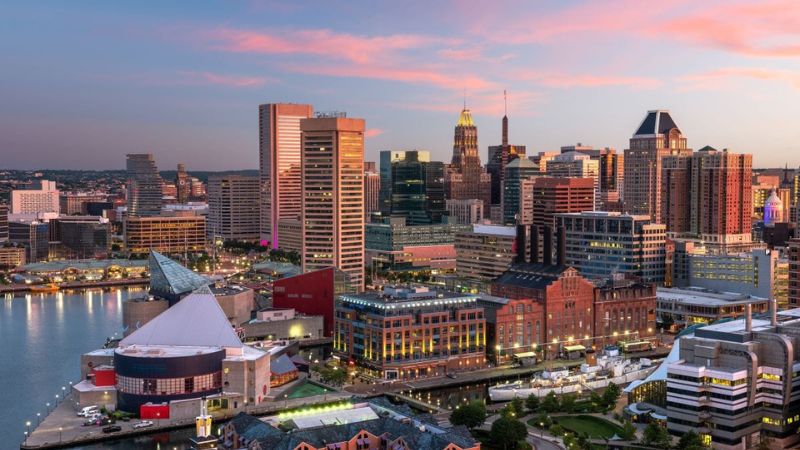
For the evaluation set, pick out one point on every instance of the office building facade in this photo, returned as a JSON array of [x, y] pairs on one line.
[[467, 211], [412, 186], [34, 236], [793, 257], [280, 154], [42, 197], [165, 234], [657, 136], [144, 185], [233, 208], [552, 195], [485, 251], [395, 245], [600, 244], [517, 201], [333, 195]]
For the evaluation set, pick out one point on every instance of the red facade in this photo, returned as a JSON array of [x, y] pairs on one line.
[[154, 411], [310, 293], [104, 376]]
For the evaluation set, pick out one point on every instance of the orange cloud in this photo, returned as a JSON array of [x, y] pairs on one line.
[[372, 132]]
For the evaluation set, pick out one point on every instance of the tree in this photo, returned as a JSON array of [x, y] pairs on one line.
[[691, 441], [556, 430], [656, 436], [550, 403], [628, 431], [532, 403], [610, 395], [471, 415], [596, 401], [544, 421], [517, 406], [568, 403], [507, 432]]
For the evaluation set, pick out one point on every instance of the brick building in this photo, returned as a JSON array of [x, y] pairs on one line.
[[552, 195]]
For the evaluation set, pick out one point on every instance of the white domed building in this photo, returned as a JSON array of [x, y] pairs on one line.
[[773, 209]]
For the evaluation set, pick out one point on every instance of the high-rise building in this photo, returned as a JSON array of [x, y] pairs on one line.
[[42, 197], [518, 191], [600, 244], [233, 211], [465, 211], [486, 251], [499, 157], [553, 195], [183, 184], [34, 235], [143, 185], [395, 245], [793, 255], [708, 194], [656, 137], [372, 191], [280, 165], [611, 173], [794, 214], [412, 186], [81, 237], [465, 177], [333, 195], [3, 223], [577, 165]]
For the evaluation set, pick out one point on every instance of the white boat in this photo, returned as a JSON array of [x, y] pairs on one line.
[[609, 369]]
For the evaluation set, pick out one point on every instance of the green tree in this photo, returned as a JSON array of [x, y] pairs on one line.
[[610, 395], [507, 432], [568, 403], [691, 441], [556, 430], [517, 406], [471, 415], [628, 431], [544, 421], [550, 403], [532, 403], [596, 401], [656, 436]]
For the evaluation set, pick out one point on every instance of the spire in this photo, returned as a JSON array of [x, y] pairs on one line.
[[505, 119]]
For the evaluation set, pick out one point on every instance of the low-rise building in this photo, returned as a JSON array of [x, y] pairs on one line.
[[12, 257], [690, 306], [165, 234], [283, 324], [395, 245], [33, 235], [485, 251], [404, 333]]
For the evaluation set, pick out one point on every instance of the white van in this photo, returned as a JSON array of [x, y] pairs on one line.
[[88, 411]]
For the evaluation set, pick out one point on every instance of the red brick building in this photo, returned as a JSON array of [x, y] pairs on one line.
[[624, 310]]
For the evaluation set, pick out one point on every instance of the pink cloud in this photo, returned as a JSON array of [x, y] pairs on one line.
[[717, 79], [565, 81], [191, 78], [372, 132], [318, 42], [221, 79], [431, 76]]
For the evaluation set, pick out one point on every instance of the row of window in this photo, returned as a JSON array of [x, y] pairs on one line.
[[169, 386]]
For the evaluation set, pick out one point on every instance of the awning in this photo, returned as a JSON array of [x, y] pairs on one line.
[[574, 348], [525, 355]]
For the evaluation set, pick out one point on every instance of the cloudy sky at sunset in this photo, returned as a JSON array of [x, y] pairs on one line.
[[82, 83]]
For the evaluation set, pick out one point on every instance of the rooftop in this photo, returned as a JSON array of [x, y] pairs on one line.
[[83, 264], [657, 122], [528, 275], [497, 230], [705, 297], [169, 277]]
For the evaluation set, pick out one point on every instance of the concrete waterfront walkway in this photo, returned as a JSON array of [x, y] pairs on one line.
[[63, 428]]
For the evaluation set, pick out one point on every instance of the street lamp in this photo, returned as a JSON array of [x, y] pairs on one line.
[[60, 429], [38, 419]]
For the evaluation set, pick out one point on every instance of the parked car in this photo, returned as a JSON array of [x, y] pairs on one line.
[[90, 422], [112, 429], [88, 411], [143, 424]]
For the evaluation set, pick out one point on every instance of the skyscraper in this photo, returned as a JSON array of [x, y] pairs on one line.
[[708, 194], [578, 165], [656, 137], [499, 157], [553, 195], [372, 191], [279, 165], [412, 186], [183, 184], [466, 178], [144, 185], [3, 223], [518, 191], [233, 211], [332, 191]]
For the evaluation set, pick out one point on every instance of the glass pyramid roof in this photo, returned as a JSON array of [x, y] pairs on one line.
[[169, 277]]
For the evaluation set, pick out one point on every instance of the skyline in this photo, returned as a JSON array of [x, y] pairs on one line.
[[89, 85]]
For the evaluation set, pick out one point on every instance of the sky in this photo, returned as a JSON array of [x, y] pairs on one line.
[[82, 83]]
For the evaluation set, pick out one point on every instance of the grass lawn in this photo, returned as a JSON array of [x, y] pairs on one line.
[[595, 427], [307, 389]]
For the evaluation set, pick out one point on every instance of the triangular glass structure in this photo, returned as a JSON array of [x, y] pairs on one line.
[[170, 280]]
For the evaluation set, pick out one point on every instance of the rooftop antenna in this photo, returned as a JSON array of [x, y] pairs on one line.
[[465, 98]]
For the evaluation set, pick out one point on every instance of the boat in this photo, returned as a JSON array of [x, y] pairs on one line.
[[44, 288], [609, 369]]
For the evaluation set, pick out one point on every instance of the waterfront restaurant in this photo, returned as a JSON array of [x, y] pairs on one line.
[[409, 332], [87, 269]]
